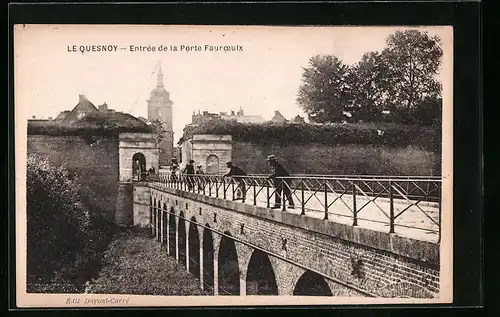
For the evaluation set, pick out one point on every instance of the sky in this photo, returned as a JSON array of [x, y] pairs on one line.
[[264, 75]]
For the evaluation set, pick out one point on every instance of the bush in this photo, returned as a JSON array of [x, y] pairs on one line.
[[94, 124], [64, 239], [394, 135]]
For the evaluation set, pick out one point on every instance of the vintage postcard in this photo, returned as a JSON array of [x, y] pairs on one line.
[[161, 165]]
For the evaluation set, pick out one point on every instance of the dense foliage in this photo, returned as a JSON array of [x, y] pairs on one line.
[[387, 134], [97, 123], [398, 84], [64, 238]]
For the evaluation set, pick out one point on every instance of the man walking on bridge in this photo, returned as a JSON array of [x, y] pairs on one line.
[[281, 185], [237, 173]]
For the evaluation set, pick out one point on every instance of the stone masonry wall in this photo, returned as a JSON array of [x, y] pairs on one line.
[[124, 214], [97, 166], [141, 201], [132, 143], [339, 160], [382, 265]]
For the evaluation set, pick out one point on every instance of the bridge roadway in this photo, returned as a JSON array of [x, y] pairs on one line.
[[418, 221]]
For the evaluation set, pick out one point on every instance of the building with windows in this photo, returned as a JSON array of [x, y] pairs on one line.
[[239, 116]]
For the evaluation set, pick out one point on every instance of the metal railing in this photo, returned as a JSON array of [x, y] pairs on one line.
[[406, 202]]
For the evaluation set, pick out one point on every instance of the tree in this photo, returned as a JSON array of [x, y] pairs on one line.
[[58, 225], [324, 93], [159, 130], [412, 59], [368, 80]]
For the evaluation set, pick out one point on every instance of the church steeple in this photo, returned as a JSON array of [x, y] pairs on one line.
[[160, 108], [159, 82]]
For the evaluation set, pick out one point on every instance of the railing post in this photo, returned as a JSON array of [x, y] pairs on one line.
[[223, 189], [391, 209], [326, 202], [303, 203], [210, 187], [232, 188], [354, 209], [254, 192], [282, 193], [267, 195]]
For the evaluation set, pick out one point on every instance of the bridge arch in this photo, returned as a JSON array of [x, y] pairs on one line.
[[208, 258], [312, 284], [260, 279], [181, 233], [172, 232], [228, 269], [194, 248]]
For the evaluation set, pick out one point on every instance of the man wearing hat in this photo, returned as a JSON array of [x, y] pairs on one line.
[[281, 185], [189, 171], [238, 174], [199, 174]]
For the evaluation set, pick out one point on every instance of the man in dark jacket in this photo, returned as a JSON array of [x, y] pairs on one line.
[[238, 174], [199, 178], [281, 185], [189, 171]]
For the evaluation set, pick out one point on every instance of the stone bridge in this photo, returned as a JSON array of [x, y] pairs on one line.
[[235, 248]]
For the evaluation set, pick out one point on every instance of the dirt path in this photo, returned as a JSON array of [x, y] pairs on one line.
[[136, 264]]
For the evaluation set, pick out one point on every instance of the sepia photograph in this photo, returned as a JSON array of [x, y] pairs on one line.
[[182, 165]]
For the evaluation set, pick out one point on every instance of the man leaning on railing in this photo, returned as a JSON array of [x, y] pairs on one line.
[[237, 174], [281, 185], [189, 171]]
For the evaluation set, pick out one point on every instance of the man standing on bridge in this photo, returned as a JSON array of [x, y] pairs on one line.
[[199, 177], [281, 185], [238, 174], [189, 171]]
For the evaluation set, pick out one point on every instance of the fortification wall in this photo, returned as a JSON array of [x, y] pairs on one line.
[[94, 161], [313, 158]]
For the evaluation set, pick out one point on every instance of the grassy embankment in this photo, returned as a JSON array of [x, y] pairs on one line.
[[135, 263]]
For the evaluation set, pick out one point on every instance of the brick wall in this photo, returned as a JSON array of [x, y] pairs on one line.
[[141, 200], [97, 166], [343, 159], [383, 266], [124, 205]]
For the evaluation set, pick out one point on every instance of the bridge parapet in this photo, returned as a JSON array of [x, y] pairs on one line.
[[410, 205], [349, 260]]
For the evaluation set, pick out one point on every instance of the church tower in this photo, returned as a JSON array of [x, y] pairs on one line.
[[160, 107]]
